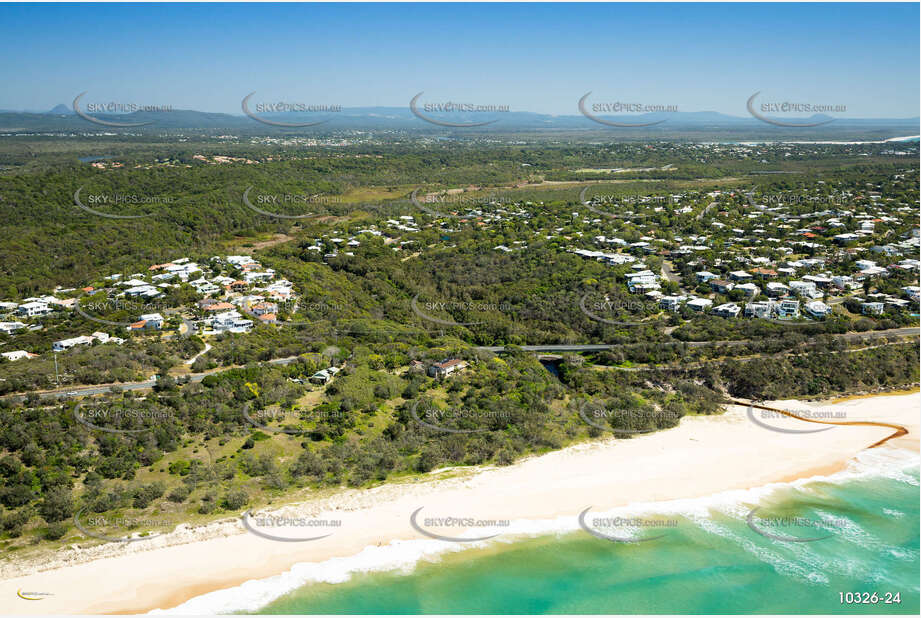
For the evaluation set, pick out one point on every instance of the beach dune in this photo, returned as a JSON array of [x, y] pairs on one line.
[[700, 457]]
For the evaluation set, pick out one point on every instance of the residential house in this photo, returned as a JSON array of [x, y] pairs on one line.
[[17, 355], [750, 289], [699, 304], [728, 310], [775, 289], [739, 275], [874, 308], [720, 286], [446, 367], [671, 303], [760, 309], [705, 276], [33, 309], [788, 308], [817, 309], [10, 327]]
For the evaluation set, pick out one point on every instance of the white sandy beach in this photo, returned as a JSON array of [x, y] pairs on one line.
[[703, 456]]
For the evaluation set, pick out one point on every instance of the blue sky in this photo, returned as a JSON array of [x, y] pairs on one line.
[[531, 57]]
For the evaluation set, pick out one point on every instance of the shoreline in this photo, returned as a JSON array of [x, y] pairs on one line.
[[701, 457]]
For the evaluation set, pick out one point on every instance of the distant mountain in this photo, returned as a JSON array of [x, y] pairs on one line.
[[694, 125]]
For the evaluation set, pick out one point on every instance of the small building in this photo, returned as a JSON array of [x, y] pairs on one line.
[[705, 276], [817, 309], [788, 308], [9, 328], [33, 309], [773, 288], [699, 304], [739, 275], [17, 355], [872, 308], [671, 303], [750, 289], [446, 367], [324, 375], [728, 310], [761, 309]]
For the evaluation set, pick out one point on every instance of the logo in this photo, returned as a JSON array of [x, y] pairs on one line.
[[282, 107], [103, 214], [268, 199], [622, 107], [457, 413], [110, 107], [116, 414], [450, 107], [788, 522], [455, 522], [121, 522], [32, 596], [786, 107], [269, 521], [771, 413], [271, 416], [622, 522]]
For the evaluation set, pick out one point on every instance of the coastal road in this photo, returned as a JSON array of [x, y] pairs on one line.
[[99, 389]]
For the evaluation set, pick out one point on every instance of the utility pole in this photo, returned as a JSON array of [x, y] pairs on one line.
[[57, 378]]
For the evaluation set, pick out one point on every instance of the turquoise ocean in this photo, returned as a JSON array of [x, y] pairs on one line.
[[709, 560]]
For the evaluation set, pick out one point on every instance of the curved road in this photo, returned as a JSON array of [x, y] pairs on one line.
[[82, 391]]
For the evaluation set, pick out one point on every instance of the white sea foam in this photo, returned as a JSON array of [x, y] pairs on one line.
[[403, 556]]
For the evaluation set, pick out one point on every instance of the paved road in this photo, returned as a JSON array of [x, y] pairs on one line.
[[83, 391]]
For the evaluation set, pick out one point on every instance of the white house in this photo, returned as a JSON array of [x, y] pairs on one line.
[[750, 289], [65, 344], [871, 308], [761, 309], [700, 304], [788, 309], [10, 327], [33, 309], [17, 355], [817, 309], [671, 303], [728, 310]]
